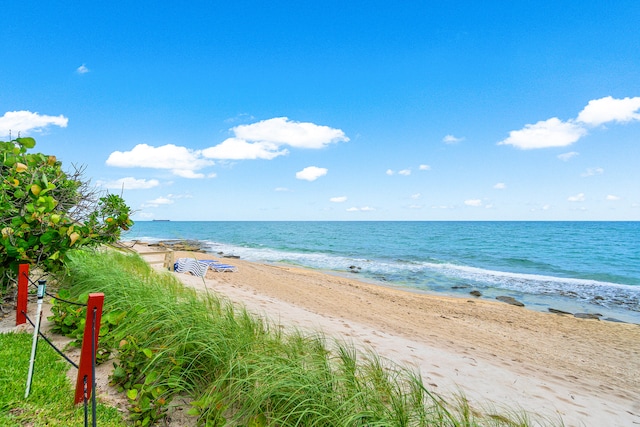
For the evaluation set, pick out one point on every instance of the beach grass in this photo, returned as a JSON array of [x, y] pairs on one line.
[[241, 369], [50, 401]]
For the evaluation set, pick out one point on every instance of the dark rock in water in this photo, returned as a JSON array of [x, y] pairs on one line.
[[598, 298], [181, 245], [476, 293], [231, 256], [355, 269], [556, 311], [510, 300], [611, 319], [460, 287], [588, 316]]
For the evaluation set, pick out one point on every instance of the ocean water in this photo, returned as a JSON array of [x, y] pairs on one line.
[[587, 267]]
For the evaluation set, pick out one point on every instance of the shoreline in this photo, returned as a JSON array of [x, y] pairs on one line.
[[585, 371], [588, 300]]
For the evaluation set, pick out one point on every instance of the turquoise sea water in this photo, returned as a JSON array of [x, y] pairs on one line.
[[591, 267]]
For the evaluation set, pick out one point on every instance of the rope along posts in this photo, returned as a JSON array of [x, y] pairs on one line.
[[85, 382]]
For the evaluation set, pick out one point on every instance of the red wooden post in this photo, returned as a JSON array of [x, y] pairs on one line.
[[95, 303], [23, 292]]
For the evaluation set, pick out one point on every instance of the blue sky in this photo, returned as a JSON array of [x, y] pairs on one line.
[[330, 110]]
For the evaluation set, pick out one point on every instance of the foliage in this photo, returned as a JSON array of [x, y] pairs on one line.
[[45, 212], [69, 319], [149, 400], [50, 402], [240, 369]]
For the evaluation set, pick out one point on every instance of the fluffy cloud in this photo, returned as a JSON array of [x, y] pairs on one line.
[[389, 172], [592, 172], [362, 209], [577, 198], [544, 134], [129, 183], [612, 197], [565, 157], [265, 139], [158, 202], [500, 186], [339, 199], [424, 167], [25, 121], [473, 202], [450, 139], [239, 149], [556, 133], [609, 109], [311, 173], [181, 161], [82, 69], [405, 172], [261, 140]]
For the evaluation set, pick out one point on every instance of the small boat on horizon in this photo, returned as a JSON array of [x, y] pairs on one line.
[[161, 220]]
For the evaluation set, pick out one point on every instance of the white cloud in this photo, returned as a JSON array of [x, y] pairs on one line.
[[187, 173], [425, 167], [450, 139], [82, 69], [362, 209], [405, 172], [473, 202], [592, 172], [416, 196], [612, 197], [548, 133], [129, 183], [339, 199], [565, 157], [311, 173], [577, 198], [181, 161], [160, 201], [500, 186], [556, 133], [239, 149], [609, 109], [25, 121], [180, 196], [389, 172], [281, 130], [264, 139]]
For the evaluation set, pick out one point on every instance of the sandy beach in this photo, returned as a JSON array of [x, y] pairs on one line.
[[586, 372], [551, 365]]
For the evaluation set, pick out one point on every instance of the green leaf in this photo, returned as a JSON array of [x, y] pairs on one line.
[[147, 352], [27, 142], [193, 412], [132, 394]]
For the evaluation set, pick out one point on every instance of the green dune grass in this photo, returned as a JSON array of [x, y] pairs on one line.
[[239, 369]]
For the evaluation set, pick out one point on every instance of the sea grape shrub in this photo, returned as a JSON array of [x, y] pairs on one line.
[[45, 212]]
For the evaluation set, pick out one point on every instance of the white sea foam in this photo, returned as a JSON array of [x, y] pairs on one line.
[[419, 274]]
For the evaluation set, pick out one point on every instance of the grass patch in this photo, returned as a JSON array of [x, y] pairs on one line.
[[242, 370], [50, 401]]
